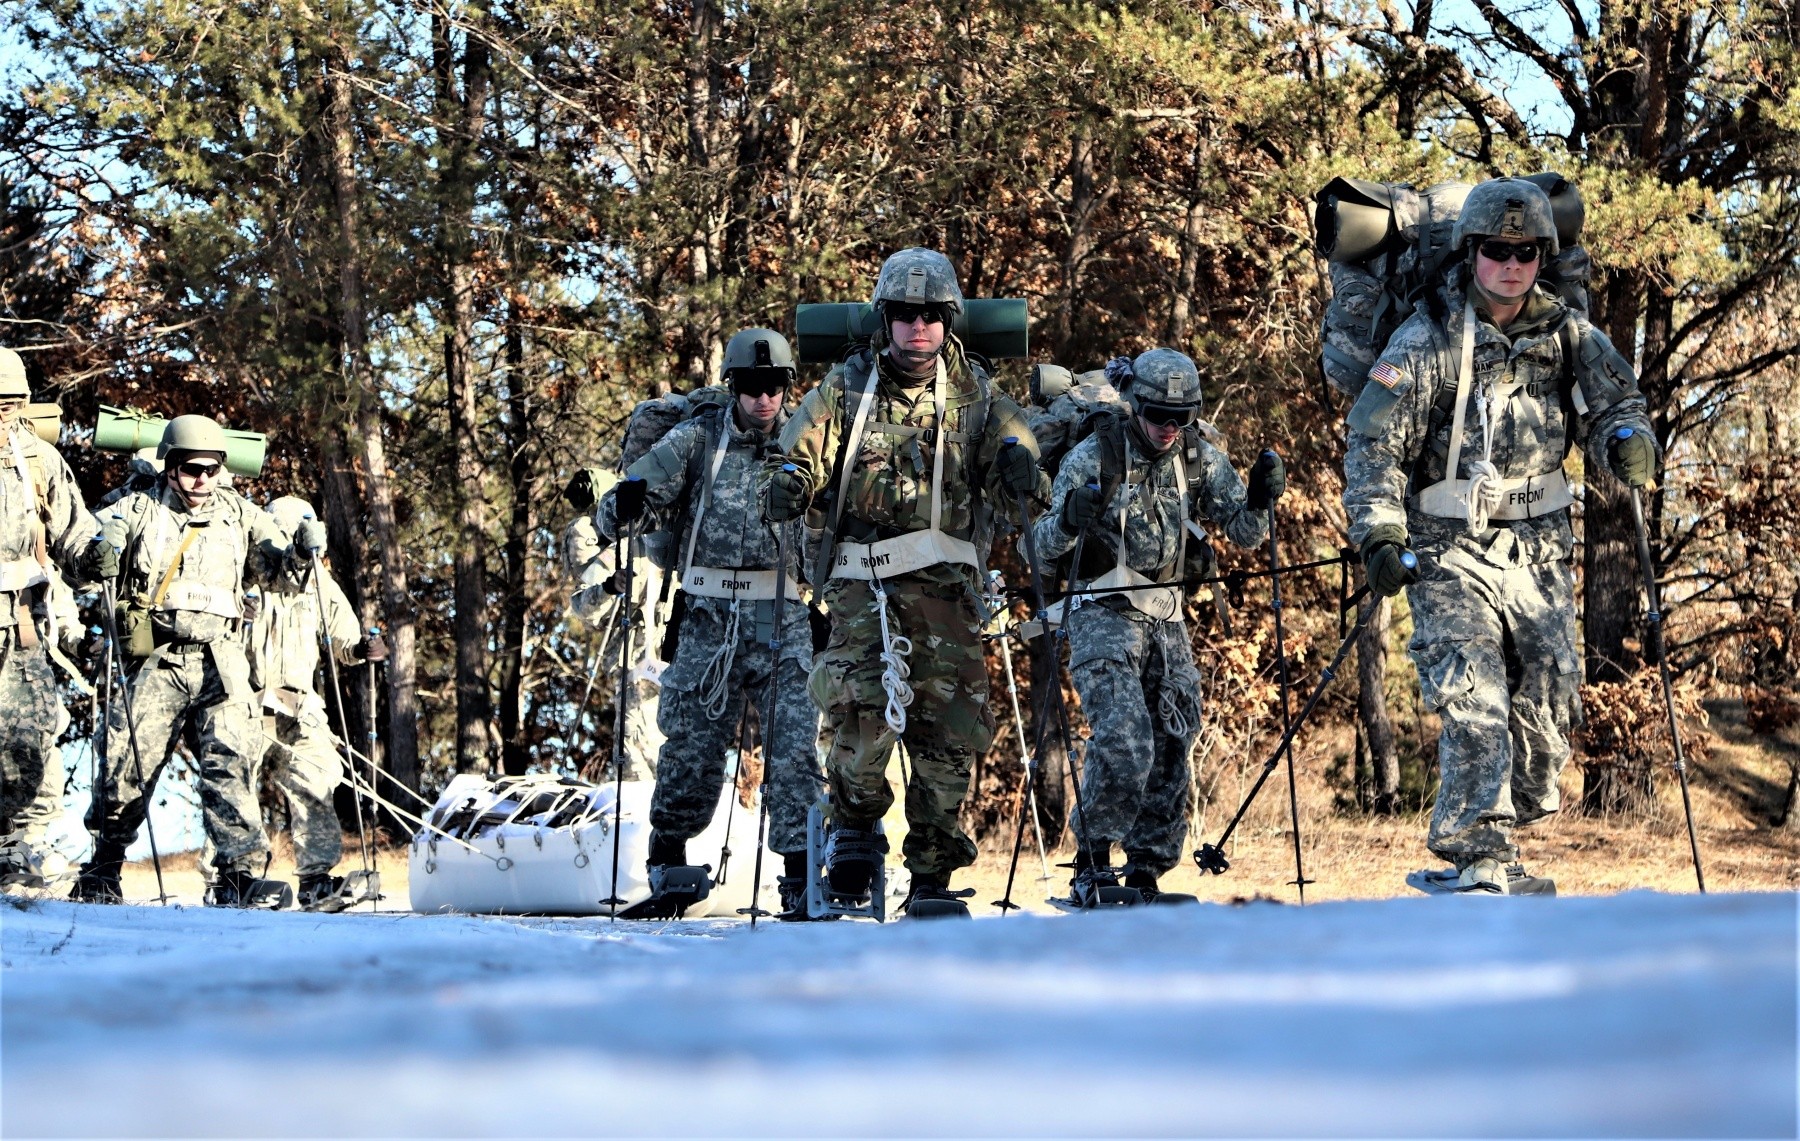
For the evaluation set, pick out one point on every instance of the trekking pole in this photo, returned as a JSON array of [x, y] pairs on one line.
[[737, 774], [623, 701], [337, 694], [1659, 651], [109, 599], [1300, 881], [772, 709], [1053, 691], [373, 741], [1028, 794], [1211, 857]]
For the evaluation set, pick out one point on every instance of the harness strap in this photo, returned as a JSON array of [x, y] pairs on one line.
[[712, 473]]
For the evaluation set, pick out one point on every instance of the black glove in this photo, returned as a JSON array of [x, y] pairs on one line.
[[1390, 566], [1268, 479], [580, 491], [1018, 467], [100, 560], [1081, 508], [309, 536], [787, 494], [628, 501], [374, 648], [1632, 457]]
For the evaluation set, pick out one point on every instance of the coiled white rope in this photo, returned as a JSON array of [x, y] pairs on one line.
[[895, 649], [1484, 477], [715, 694]]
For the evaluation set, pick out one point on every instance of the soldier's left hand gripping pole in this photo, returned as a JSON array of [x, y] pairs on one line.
[[1653, 619], [1211, 857], [630, 489], [317, 573], [771, 715], [1287, 719], [109, 617]]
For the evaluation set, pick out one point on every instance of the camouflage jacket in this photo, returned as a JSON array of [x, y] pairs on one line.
[[889, 491], [233, 544], [1151, 499], [1399, 435], [43, 521], [284, 636]]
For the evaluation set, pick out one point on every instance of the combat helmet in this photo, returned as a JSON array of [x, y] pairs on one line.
[[917, 276], [289, 511], [758, 355], [1511, 209], [192, 433], [13, 385], [1164, 378]]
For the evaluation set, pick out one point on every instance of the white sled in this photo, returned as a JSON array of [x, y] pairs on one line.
[[543, 845]]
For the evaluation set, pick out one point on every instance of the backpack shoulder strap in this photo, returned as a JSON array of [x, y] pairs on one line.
[[1109, 430], [1566, 390]]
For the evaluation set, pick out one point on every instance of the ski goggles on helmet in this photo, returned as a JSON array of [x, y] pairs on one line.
[[760, 380], [1522, 252], [1169, 415], [907, 313]]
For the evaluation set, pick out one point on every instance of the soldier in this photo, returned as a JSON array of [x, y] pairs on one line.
[[904, 452], [43, 526], [298, 745], [703, 482], [183, 554], [1130, 498], [1456, 450]]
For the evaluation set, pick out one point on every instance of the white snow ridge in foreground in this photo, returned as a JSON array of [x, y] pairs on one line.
[[1638, 1015]]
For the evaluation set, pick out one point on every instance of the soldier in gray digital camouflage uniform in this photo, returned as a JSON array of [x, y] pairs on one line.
[[44, 529], [1456, 450], [1132, 495], [183, 554], [704, 480]]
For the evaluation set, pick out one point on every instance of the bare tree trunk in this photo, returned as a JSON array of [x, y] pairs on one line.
[[515, 756], [1371, 706], [701, 350], [462, 122], [383, 529]]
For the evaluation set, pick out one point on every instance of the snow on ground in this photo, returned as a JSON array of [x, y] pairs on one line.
[[1637, 1015]]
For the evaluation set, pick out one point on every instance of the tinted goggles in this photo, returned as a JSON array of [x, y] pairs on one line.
[[906, 314], [760, 380], [1170, 415], [1522, 252]]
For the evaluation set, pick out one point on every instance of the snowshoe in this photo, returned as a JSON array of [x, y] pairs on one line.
[[841, 859], [1096, 886], [930, 899], [1478, 880], [673, 889], [331, 894], [1143, 882], [241, 889], [792, 885]]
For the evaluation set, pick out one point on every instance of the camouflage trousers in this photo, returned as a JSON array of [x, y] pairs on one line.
[[28, 727], [200, 694], [1140, 693], [947, 724], [302, 758], [690, 771], [46, 808], [1494, 643]]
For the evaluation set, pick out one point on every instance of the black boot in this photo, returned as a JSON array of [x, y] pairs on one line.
[[930, 897], [666, 851], [1144, 880], [238, 888], [320, 890], [851, 858], [99, 879], [1095, 884], [792, 885]]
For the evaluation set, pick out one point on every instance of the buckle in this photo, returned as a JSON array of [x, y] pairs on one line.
[[929, 435]]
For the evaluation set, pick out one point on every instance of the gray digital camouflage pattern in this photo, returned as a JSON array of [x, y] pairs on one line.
[[196, 685], [890, 494], [588, 562], [1493, 613], [722, 654], [1139, 688]]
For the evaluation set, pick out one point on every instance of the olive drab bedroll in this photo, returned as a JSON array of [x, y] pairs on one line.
[[1389, 245]]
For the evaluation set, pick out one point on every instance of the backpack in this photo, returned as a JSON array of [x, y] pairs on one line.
[[649, 422], [1063, 407], [1389, 247]]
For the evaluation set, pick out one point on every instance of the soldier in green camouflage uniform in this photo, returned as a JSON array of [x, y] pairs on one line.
[[1506, 378], [186, 552], [44, 526], [1146, 479], [704, 481], [877, 506], [299, 748]]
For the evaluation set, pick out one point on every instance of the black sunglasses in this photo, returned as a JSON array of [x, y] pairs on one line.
[[198, 468], [1166, 415], [760, 381], [1522, 252], [906, 314]]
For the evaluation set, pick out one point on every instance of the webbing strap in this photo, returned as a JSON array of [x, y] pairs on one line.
[[712, 473]]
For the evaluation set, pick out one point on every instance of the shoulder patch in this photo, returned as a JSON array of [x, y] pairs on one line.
[[1389, 375]]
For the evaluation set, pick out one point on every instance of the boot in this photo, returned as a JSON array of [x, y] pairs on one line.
[[1093, 879], [99, 878], [1144, 880], [930, 897], [1483, 875], [792, 885], [319, 889], [236, 887], [851, 857], [20, 866], [666, 851]]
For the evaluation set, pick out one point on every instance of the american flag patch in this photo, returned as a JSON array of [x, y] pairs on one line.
[[1386, 375]]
